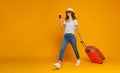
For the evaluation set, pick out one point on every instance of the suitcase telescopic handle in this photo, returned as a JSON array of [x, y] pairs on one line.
[[83, 44]]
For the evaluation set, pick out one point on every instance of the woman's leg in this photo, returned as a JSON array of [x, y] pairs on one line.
[[73, 43], [64, 43]]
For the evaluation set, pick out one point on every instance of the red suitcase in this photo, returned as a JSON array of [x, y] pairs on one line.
[[93, 53]]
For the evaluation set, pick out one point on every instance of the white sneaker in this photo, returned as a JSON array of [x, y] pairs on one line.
[[77, 62], [57, 65]]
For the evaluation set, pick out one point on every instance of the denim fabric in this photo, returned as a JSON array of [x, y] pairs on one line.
[[69, 38]]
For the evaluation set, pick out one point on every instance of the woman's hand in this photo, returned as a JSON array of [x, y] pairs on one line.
[[60, 21]]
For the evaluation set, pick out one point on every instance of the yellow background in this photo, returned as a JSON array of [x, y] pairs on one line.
[[29, 30]]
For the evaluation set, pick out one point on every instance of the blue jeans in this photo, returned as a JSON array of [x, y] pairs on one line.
[[69, 38]]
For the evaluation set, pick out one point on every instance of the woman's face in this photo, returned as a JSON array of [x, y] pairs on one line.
[[68, 13]]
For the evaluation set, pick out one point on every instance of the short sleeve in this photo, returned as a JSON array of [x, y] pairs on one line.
[[76, 23], [64, 22]]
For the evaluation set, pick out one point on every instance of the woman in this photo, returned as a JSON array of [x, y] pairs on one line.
[[70, 24]]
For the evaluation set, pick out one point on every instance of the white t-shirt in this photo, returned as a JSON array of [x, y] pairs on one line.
[[70, 26]]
